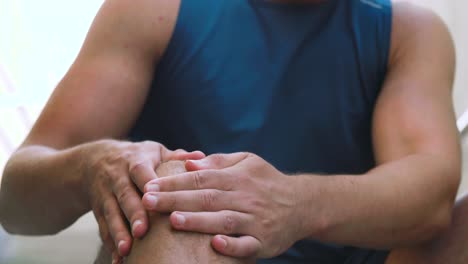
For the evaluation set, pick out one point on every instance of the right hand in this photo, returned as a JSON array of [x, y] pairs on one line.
[[115, 174]]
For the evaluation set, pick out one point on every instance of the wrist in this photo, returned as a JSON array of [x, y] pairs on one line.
[[80, 157], [310, 206]]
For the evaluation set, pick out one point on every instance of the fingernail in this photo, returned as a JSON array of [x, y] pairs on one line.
[[118, 260], [120, 246], [115, 258], [135, 226], [152, 187], [180, 219], [223, 242], [199, 162], [152, 201]]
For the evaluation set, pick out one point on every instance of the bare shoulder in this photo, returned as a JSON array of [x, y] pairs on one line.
[[149, 20], [416, 28], [414, 111]]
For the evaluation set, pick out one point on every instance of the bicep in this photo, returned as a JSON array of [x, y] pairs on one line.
[[104, 90], [414, 113]]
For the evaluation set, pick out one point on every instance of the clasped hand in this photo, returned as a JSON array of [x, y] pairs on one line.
[[244, 201], [114, 175]]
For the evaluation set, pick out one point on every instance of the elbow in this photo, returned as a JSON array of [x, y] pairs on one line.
[[15, 222], [440, 220], [437, 222], [8, 224], [24, 228], [9, 228]]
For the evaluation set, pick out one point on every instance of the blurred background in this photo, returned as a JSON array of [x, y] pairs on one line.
[[40, 40]]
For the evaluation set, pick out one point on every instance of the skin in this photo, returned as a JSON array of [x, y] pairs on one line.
[[161, 235], [407, 200], [154, 246], [74, 140]]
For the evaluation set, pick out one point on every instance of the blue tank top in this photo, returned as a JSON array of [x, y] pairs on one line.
[[293, 83]]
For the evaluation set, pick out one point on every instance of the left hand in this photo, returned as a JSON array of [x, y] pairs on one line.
[[241, 198]]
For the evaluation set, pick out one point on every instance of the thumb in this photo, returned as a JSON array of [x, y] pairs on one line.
[[216, 161], [238, 247]]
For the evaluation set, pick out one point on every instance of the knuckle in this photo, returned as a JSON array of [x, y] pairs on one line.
[[119, 184], [199, 180], [253, 203], [243, 179], [136, 166], [102, 178], [125, 194], [180, 151], [172, 202], [148, 143], [227, 180], [121, 156], [229, 224], [107, 212], [108, 209], [267, 224], [138, 214], [217, 159], [208, 200], [109, 170], [121, 234], [254, 159], [250, 155]]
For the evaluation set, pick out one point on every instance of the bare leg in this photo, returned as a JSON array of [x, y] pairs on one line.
[[163, 245], [450, 248]]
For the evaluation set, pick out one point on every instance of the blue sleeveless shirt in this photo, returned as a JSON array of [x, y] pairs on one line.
[[293, 83]]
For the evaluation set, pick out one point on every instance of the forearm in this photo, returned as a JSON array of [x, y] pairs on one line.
[[41, 191], [402, 203], [163, 244]]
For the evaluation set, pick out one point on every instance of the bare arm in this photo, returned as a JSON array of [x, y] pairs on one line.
[[64, 168], [409, 197], [165, 245]]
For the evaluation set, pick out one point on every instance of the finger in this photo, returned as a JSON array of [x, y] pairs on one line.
[[130, 203], [190, 201], [104, 233], [216, 161], [116, 259], [239, 247], [184, 155], [180, 154], [142, 173], [222, 222], [117, 227], [196, 180]]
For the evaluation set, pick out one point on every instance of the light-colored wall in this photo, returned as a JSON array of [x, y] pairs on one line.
[[458, 24]]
